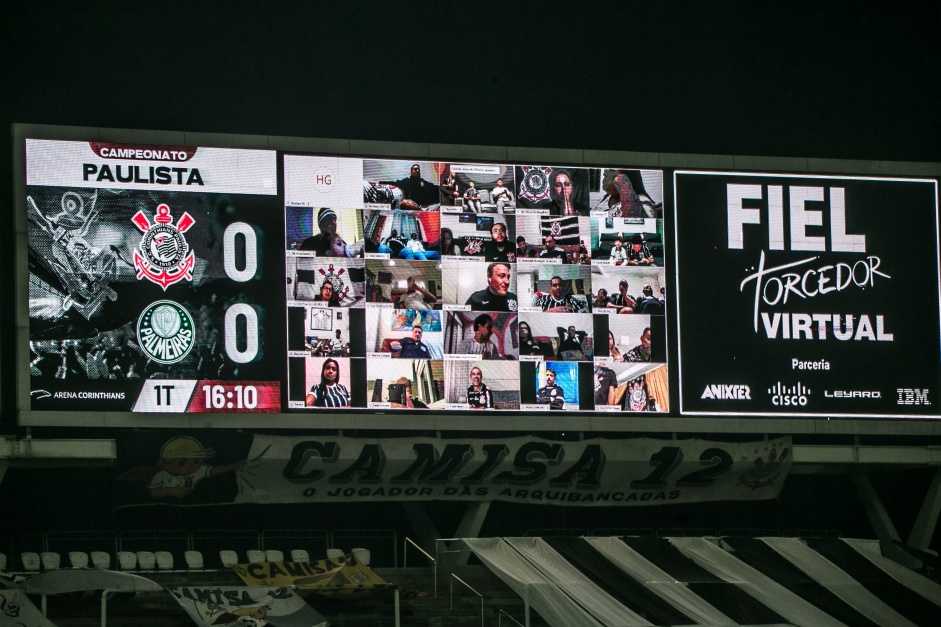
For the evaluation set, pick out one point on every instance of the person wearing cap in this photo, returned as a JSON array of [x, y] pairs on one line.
[[415, 188], [327, 243], [472, 198], [638, 254], [619, 253], [414, 249]]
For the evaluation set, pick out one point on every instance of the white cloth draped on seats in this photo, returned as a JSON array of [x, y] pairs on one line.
[[553, 605], [772, 594], [834, 579], [605, 608], [913, 581], [674, 592]]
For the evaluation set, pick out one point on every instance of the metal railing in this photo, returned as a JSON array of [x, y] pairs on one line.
[[423, 552], [468, 586], [503, 613]]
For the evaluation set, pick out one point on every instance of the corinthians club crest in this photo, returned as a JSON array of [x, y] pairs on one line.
[[163, 255], [535, 184]]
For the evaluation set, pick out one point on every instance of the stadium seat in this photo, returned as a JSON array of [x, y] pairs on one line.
[[146, 560], [255, 556], [78, 559], [333, 554], [50, 561], [273, 555], [194, 560], [229, 558], [127, 560], [362, 555], [101, 560], [297, 555], [3, 562], [164, 560], [30, 561]]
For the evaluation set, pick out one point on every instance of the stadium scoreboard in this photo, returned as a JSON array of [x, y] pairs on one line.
[[179, 279]]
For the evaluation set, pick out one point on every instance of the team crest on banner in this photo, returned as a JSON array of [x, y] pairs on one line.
[[766, 467], [335, 278], [163, 255], [238, 606], [535, 184], [637, 394]]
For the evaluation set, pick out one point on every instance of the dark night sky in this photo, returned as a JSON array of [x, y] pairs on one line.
[[844, 80]]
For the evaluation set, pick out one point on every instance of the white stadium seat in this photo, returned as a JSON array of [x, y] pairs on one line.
[[229, 558], [164, 560], [297, 555], [101, 559], [30, 561], [127, 560], [78, 559], [50, 561], [194, 560], [362, 555], [146, 560]]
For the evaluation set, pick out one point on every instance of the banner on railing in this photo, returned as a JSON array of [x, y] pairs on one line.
[[210, 468], [345, 576], [239, 605], [16, 609]]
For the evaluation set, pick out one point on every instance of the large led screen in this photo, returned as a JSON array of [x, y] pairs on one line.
[[807, 295], [171, 279]]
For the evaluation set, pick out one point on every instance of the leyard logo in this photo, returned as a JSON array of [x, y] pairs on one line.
[[165, 332]]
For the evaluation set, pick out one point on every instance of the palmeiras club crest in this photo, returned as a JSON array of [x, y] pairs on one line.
[[535, 184], [163, 255]]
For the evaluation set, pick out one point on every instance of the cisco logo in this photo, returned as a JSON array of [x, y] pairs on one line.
[[793, 396], [912, 396]]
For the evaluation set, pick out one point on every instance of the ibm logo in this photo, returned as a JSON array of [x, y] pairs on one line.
[[912, 396]]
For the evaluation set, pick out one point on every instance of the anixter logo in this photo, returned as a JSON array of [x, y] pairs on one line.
[[793, 396], [727, 392]]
